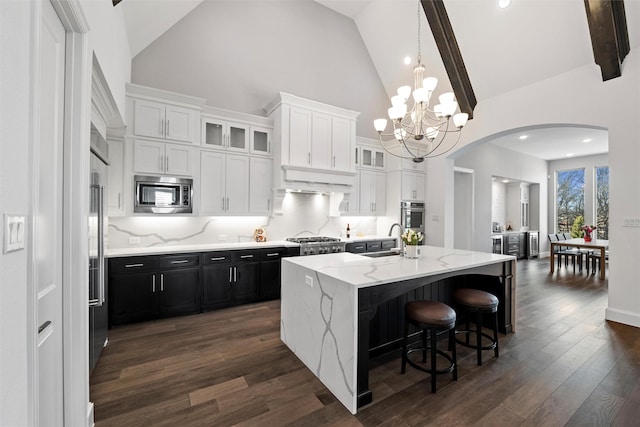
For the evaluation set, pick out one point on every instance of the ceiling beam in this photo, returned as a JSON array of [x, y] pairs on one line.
[[609, 37], [450, 54]]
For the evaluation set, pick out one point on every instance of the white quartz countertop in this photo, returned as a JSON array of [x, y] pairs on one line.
[[361, 271], [162, 250]]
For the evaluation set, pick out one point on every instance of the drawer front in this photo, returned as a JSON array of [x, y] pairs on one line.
[[245, 256], [132, 264], [178, 261], [269, 254], [356, 247], [374, 246], [388, 244], [218, 257]]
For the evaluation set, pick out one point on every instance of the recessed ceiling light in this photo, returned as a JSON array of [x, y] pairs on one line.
[[407, 60], [502, 4], [505, 181], [569, 154], [586, 140], [523, 137]]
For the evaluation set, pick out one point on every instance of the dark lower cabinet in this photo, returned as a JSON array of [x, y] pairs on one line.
[[145, 288], [230, 278], [149, 287], [270, 272]]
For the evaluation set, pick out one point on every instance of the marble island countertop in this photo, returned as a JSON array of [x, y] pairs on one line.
[[328, 301], [224, 246], [361, 271]]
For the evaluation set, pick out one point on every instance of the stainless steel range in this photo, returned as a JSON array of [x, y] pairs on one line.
[[318, 245]]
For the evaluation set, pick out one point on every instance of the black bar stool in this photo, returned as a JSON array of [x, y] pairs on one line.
[[477, 302], [431, 317]]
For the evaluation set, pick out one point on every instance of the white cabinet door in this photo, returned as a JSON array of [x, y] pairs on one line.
[[380, 192], [115, 189], [213, 133], [260, 186], [212, 182], [299, 137], [260, 140], [180, 124], [162, 158], [237, 137], [367, 191], [179, 160], [237, 184], [321, 141], [413, 186], [351, 206], [341, 146], [148, 157], [148, 119]]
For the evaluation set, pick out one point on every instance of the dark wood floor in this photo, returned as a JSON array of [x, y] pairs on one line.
[[565, 365]]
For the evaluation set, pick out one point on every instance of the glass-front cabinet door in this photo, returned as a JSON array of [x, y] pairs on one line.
[[372, 158], [260, 140], [220, 134]]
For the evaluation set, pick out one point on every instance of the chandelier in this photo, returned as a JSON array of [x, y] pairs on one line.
[[421, 132]]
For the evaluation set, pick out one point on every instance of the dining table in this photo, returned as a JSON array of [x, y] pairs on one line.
[[596, 244]]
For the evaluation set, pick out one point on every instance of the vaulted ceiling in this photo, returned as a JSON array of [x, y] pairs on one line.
[[502, 49]]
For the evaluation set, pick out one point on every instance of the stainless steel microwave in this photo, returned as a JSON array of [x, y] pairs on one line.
[[163, 195]]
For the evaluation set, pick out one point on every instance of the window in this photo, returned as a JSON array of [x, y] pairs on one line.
[[569, 198], [602, 202]]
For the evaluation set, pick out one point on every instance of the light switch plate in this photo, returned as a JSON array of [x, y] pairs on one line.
[[14, 228], [631, 222]]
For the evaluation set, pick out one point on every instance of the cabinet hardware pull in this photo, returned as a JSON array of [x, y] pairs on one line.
[[168, 131], [161, 162], [182, 261], [44, 326], [227, 203], [334, 162], [359, 247], [133, 265], [153, 283], [246, 256], [167, 163], [161, 282], [309, 158], [235, 274], [230, 274], [223, 204], [161, 127], [274, 254], [220, 258], [119, 201]]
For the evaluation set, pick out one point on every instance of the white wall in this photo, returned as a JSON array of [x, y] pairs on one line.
[[588, 163], [15, 40], [499, 203], [488, 160], [580, 97], [240, 54], [17, 20]]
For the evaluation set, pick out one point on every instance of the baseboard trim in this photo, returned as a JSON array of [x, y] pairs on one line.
[[622, 316]]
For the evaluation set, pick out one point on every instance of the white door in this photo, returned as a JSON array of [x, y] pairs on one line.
[[47, 215]]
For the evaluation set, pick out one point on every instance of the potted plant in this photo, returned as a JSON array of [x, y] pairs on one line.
[[411, 239]]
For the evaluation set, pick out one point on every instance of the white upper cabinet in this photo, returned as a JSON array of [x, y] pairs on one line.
[[316, 141], [162, 115], [371, 158], [221, 134], [162, 158], [372, 192], [158, 120], [260, 140], [224, 183], [413, 186], [260, 183], [409, 164]]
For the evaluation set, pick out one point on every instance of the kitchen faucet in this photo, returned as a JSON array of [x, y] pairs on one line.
[[393, 225]]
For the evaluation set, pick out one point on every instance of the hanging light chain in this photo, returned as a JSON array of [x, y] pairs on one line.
[[419, 45]]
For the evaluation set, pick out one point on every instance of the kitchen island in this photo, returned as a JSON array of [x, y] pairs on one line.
[[328, 303]]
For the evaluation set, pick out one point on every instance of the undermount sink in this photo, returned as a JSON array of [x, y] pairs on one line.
[[383, 253]]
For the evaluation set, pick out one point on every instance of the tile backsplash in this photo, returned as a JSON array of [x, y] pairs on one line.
[[302, 215]]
